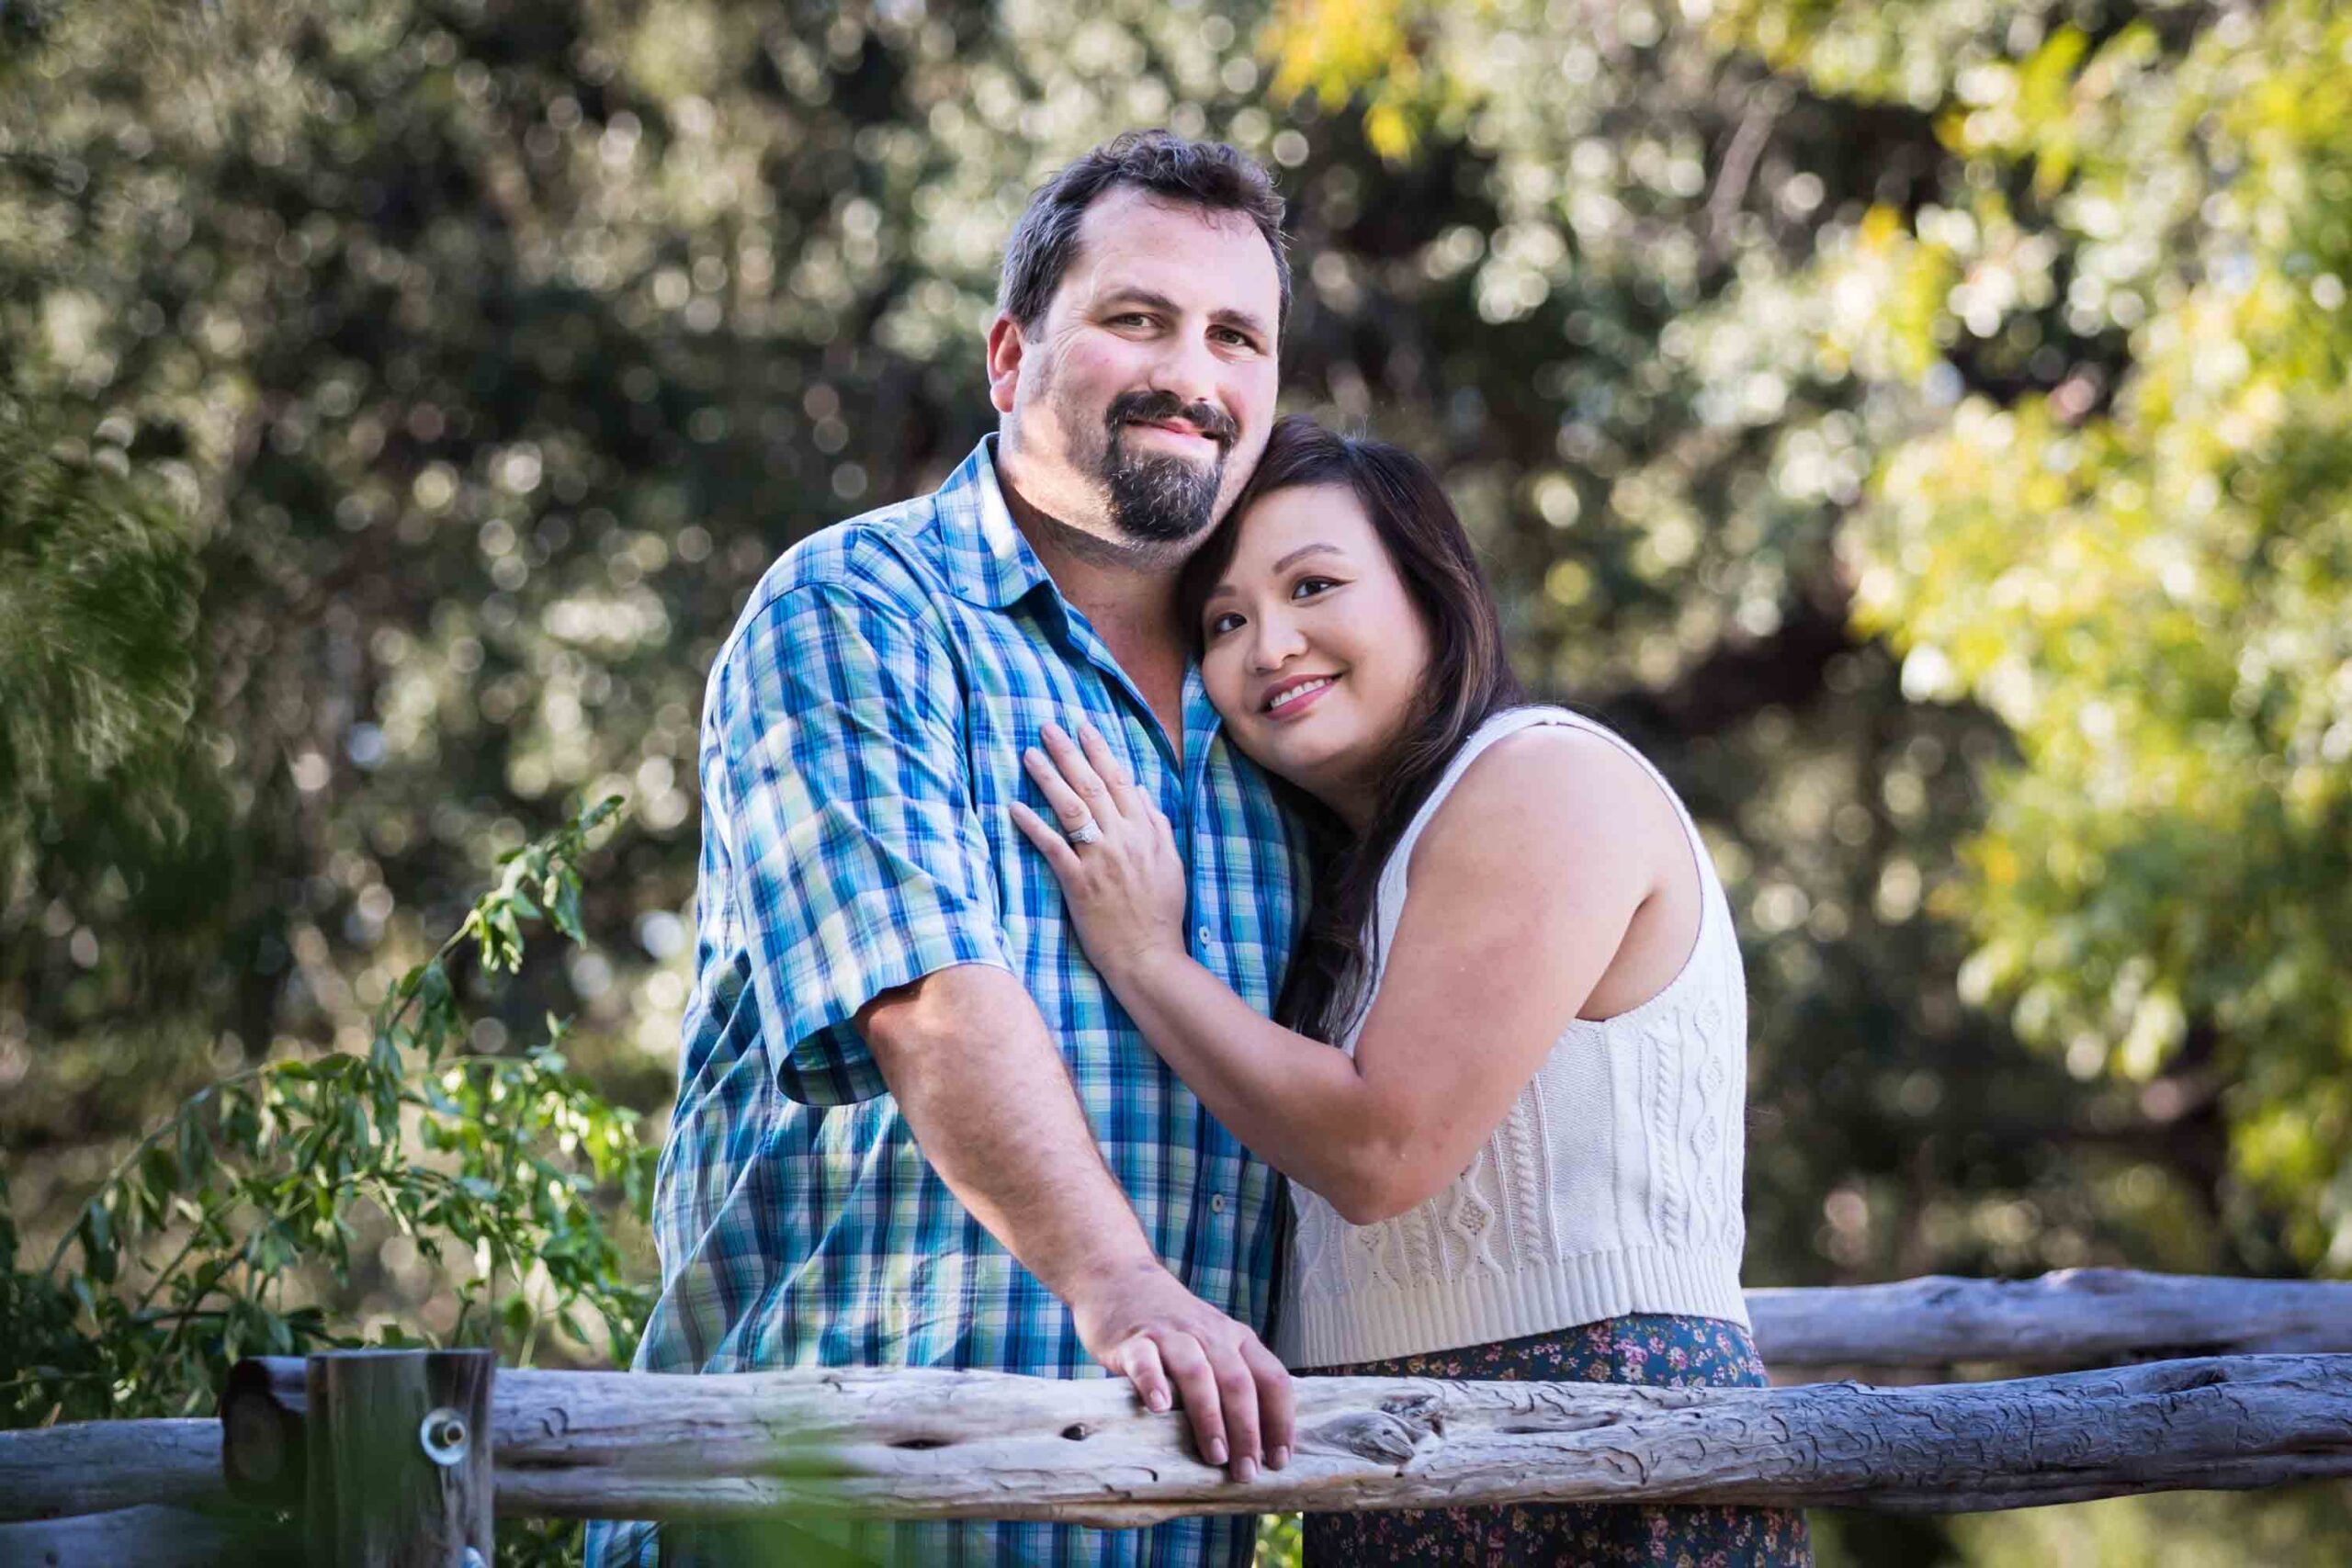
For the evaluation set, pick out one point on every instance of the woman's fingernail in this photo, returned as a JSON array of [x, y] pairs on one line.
[[1246, 1469], [1216, 1452], [1279, 1459], [1157, 1401]]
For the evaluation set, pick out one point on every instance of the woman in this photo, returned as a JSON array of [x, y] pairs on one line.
[[1524, 1159]]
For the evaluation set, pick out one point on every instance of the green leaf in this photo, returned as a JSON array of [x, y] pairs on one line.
[[564, 912], [99, 1253], [431, 984]]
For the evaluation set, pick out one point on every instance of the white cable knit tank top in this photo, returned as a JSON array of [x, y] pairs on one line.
[[1613, 1185]]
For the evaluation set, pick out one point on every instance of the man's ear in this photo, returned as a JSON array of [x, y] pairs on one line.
[[1006, 345]]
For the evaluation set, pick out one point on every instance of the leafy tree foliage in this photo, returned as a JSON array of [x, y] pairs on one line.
[[97, 606], [260, 1176], [229, 1229], [1922, 426], [2151, 581]]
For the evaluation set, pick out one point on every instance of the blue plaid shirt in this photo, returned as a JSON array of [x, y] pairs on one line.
[[861, 741]]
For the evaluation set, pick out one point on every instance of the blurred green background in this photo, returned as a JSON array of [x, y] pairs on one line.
[[1923, 425]]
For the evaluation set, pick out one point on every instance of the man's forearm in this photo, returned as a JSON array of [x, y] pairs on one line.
[[986, 1097], [992, 1107]]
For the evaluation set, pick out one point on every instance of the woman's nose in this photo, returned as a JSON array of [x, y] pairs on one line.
[[1278, 641]]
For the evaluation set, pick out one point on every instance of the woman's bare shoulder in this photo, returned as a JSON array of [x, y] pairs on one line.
[[1547, 794]]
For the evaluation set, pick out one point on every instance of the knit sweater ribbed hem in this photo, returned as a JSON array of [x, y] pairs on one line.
[[1378, 1323]]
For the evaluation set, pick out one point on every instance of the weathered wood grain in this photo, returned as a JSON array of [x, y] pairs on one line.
[[399, 1463], [264, 1447], [90, 1467], [151, 1537], [2077, 1317], [940, 1445]]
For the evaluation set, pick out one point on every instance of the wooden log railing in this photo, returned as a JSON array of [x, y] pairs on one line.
[[942, 1445], [2079, 1318]]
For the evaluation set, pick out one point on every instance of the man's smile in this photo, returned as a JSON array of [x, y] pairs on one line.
[[1179, 429]]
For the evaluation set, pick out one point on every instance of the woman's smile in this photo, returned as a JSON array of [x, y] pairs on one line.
[[1291, 698]]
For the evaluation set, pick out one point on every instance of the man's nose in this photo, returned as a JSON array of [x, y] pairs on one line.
[[1189, 370]]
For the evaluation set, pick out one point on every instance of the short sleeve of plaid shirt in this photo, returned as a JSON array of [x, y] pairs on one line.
[[854, 862]]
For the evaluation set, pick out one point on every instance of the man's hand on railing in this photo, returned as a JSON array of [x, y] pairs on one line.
[[1142, 1324]]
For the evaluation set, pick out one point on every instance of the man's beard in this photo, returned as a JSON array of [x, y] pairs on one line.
[[1155, 498]]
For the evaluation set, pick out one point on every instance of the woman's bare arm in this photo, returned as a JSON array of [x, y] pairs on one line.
[[1524, 888]]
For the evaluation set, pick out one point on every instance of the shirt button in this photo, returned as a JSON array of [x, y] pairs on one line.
[[1217, 1202], [1204, 935]]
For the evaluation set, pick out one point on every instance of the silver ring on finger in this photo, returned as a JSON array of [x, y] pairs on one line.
[[1086, 833]]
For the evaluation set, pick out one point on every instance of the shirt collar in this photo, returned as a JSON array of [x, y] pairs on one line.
[[987, 561]]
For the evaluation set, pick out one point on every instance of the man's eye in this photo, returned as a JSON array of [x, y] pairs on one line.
[[1237, 339]]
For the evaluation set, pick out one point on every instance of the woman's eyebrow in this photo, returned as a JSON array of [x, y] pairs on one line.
[[1226, 590], [1304, 551]]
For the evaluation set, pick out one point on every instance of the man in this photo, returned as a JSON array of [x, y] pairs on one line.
[[913, 1128]]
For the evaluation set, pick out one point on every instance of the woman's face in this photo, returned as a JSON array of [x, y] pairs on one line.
[[1312, 649]]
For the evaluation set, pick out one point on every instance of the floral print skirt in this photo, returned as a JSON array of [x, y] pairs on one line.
[[1642, 1347]]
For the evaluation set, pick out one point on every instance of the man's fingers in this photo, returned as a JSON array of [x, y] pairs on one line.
[[1277, 1402], [1196, 1386], [1138, 1361], [1236, 1387]]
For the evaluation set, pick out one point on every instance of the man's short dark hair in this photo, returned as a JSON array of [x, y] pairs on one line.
[[1207, 175]]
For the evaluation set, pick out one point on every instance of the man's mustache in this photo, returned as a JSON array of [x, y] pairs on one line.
[[1151, 408]]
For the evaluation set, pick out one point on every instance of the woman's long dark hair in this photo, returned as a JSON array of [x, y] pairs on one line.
[[1469, 678]]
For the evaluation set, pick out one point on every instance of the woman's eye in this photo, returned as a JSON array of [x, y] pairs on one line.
[[1220, 624], [1311, 585]]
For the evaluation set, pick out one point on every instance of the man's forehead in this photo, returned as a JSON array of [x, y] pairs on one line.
[[1135, 238]]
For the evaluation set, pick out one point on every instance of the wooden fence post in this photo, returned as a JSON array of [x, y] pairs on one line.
[[399, 1463]]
